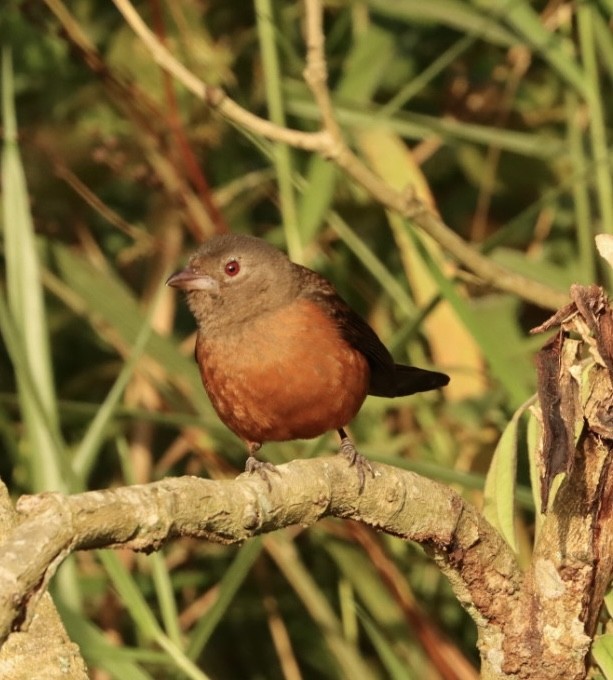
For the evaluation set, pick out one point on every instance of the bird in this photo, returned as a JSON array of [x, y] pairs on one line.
[[281, 355]]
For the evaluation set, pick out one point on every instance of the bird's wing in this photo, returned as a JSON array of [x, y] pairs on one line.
[[387, 379], [353, 330]]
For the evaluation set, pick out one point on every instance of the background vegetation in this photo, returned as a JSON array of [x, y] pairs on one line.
[[498, 114]]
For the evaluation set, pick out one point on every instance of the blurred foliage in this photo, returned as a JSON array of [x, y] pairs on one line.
[[498, 113]]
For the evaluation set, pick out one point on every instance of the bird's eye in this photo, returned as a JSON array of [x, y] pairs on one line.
[[232, 268]]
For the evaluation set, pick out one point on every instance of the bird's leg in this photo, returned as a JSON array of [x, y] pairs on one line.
[[362, 464], [263, 468]]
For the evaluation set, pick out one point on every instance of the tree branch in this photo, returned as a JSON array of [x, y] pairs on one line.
[[144, 517], [537, 624], [44, 650]]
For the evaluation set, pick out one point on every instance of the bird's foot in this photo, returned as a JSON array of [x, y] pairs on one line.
[[262, 468], [357, 460]]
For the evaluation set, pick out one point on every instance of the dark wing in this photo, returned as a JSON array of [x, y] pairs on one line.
[[387, 379], [353, 329]]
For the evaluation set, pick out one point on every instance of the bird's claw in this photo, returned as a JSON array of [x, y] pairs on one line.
[[262, 468], [362, 464]]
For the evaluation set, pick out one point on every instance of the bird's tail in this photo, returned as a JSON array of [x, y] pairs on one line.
[[410, 379]]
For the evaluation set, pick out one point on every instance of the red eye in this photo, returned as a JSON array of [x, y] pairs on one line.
[[232, 268]]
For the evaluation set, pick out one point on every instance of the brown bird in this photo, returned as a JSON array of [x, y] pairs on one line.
[[281, 355]]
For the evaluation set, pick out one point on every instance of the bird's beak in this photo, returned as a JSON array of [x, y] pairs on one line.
[[188, 279]]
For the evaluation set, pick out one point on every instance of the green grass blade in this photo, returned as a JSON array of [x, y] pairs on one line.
[[282, 154], [233, 579], [130, 595], [23, 276], [457, 15], [364, 68], [604, 44], [161, 578], [166, 598], [597, 126], [29, 397], [388, 628], [395, 666], [421, 80], [422, 126], [108, 299], [580, 193], [350, 663], [87, 451], [500, 367], [373, 264], [27, 309], [317, 195], [553, 48], [142, 615], [97, 651]]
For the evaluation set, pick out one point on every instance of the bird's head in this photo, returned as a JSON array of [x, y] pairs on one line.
[[232, 278]]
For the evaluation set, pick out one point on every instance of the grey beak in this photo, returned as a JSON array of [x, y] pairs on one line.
[[188, 279]]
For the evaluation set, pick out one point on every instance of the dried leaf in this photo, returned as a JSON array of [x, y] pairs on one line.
[[557, 391]]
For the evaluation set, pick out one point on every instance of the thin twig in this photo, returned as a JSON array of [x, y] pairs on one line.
[[215, 96], [316, 70], [110, 215], [330, 144], [406, 203]]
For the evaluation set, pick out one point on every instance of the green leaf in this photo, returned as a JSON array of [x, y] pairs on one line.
[[602, 651], [499, 491], [533, 436]]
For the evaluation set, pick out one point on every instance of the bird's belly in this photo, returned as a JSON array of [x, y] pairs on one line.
[[287, 378]]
